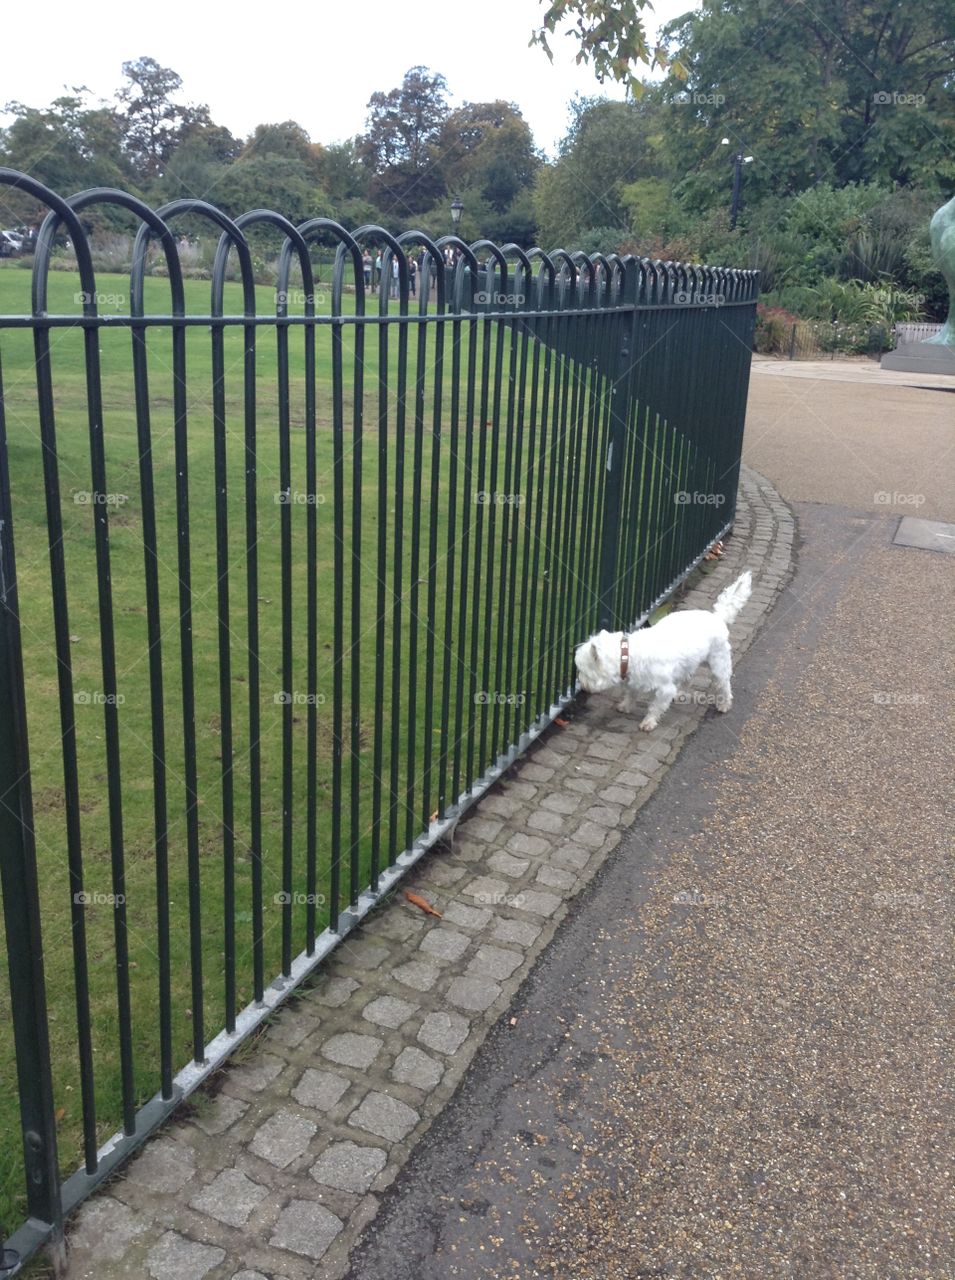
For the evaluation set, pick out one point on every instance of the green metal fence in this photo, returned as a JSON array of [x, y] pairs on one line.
[[297, 576]]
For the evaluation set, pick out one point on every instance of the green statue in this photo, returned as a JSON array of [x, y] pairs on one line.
[[941, 233]]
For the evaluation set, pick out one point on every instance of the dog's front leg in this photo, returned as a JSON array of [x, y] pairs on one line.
[[662, 698], [628, 703]]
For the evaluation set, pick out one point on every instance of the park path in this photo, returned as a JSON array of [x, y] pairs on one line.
[[735, 1059]]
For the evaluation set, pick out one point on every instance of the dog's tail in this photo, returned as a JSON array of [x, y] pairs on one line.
[[731, 600]]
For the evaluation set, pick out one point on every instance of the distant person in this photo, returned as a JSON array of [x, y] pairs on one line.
[[366, 266], [377, 278], [412, 275], [394, 276]]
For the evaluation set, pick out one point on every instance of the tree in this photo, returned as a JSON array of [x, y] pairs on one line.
[[399, 147], [847, 91], [609, 146], [488, 146], [155, 122], [68, 145]]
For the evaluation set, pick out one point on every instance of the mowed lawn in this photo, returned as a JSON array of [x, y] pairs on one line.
[[414, 499]]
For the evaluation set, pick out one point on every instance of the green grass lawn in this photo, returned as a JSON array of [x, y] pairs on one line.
[[556, 581]]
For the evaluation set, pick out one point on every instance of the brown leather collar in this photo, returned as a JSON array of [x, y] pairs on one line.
[[624, 655]]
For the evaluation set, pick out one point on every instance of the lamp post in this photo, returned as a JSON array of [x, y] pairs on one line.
[[457, 208], [738, 161]]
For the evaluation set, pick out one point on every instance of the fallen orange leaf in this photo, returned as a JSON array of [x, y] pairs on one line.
[[422, 903], [562, 723]]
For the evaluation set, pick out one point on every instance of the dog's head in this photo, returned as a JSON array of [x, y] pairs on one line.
[[598, 662]]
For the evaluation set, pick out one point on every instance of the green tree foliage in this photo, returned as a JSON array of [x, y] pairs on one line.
[[610, 36], [842, 91], [609, 146], [400, 145], [155, 123]]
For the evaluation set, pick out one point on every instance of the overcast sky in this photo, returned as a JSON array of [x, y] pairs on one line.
[[317, 64]]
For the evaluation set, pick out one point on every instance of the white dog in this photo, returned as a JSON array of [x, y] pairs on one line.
[[661, 660]]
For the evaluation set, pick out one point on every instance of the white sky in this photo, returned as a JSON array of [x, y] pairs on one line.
[[318, 66]]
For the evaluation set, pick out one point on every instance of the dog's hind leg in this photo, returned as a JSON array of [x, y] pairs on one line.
[[721, 664], [662, 698]]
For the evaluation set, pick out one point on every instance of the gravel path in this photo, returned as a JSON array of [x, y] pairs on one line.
[[735, 1058]]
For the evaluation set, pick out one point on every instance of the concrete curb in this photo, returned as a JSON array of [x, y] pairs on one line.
[[278, 1174]]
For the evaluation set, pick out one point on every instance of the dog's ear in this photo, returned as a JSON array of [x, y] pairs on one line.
[[594, 652]]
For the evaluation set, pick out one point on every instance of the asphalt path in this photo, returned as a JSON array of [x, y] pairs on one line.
[[735, 1057]]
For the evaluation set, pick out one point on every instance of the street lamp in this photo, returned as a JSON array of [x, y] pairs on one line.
[[457, 208], [738, 161]]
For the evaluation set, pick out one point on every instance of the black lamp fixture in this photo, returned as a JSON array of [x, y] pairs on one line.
[[738, 161], [457, 208]]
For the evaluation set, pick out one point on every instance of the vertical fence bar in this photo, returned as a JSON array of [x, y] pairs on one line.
[[21, 897]]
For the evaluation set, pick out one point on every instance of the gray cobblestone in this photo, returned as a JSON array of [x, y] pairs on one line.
[[283, 1138], [219, 1114], [445, 944], [164, 1166], [507, 865], [319, 1089], [561, 802], [539, 903], [467, 917], [535, 846], [494, 962], [335, 992], [473, 994], [230, 1198], [349, 1166], [176, 1255], [520, 931], [259, 1073], [445, 1032], [556, 878], [390, 1011], [412, 1066], [307, 1228], [351, 1049], [383, 1116], [419, 975], [544, 820]]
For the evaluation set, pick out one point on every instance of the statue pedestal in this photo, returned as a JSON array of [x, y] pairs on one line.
[[920, 357]]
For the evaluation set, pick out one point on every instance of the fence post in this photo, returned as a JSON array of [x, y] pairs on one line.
[[792, 344], [21, 907], [620, 394]]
